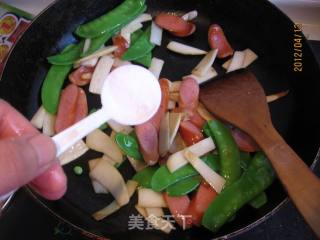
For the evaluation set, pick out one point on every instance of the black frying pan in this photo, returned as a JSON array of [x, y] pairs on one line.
[[256, 24]]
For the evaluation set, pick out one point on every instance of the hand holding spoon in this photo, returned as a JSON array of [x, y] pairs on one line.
[[240, 100], [130, 95]]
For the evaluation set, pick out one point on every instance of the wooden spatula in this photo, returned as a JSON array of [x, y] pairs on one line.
[[239, 99]]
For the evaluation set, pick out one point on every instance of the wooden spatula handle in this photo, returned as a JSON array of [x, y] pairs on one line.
[[300, 182]]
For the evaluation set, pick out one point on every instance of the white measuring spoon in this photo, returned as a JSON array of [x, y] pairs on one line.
[[130, 95]]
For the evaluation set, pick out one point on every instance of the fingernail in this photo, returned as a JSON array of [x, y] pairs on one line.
[[44, 148]]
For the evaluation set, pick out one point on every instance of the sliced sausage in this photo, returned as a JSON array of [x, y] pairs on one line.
[[189, 95], [218, 40]]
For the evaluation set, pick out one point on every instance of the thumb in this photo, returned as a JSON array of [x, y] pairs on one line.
[[24, 158]]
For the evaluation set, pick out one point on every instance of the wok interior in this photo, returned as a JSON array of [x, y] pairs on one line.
[[253, 24]]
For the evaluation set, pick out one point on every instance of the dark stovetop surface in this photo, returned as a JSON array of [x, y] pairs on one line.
[[26, 219]]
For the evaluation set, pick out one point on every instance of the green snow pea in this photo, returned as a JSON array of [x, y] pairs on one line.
[[184, 187], [144, 176], [129, 145], [67, 57], [228, 151], [114, 19], [145, 60], [140, 47], [256, 179], [163, 178], [259, 200]]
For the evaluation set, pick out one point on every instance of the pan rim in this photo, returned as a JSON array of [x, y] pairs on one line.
[[92, 235]]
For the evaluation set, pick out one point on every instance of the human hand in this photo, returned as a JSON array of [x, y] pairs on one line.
[[26, 156]]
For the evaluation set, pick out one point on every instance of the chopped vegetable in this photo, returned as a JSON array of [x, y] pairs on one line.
[[205, 64], [68, 56], [236, 61], [184, 186], [149, 198], [100, 53], [101, 142], [112, 180], [190, 15], [214, 179], [158, 212], [128, 145], [209, 75], [174, 96], [156, 66], [250, 57], [178, 207], [51, 88], [145, 60], [171, 105], [184, 49], [98, 188], [140, 47], [100, 73], [259, 200], [177, 144], [204, 113], [117, 127], [162, 178], [74, 152], [126, 31], [115, 206], [217, 40], [141, 210], [88, 63], [81, 76], [48, 124], [156, 34], [86, 45], [137, 165], [175, 86], [174, 123], [190, 133], [276, 96], [175, 25], [119, 16], [255, 180], [160, 224], [38, 117], [164, 135], [78, 170], [144, 176], [228, 151], [200, 202], [177, 160]]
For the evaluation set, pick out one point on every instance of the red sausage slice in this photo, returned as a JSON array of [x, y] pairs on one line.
[[81, 106], [81, 76], [189, 95], [190, 133], [175, 25], [197, 120], [122, 45], [147, 136], [156, 119], [67, 107], [218, 40]]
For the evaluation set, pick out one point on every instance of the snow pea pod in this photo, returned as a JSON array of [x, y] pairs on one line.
[[140, 47], [67, 57], [129, 145], [145, 60], [52, 84], [184, 187], [115, 19], [259, 200], [228, 151], [144, 176], [163, 178], [256, 179]]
